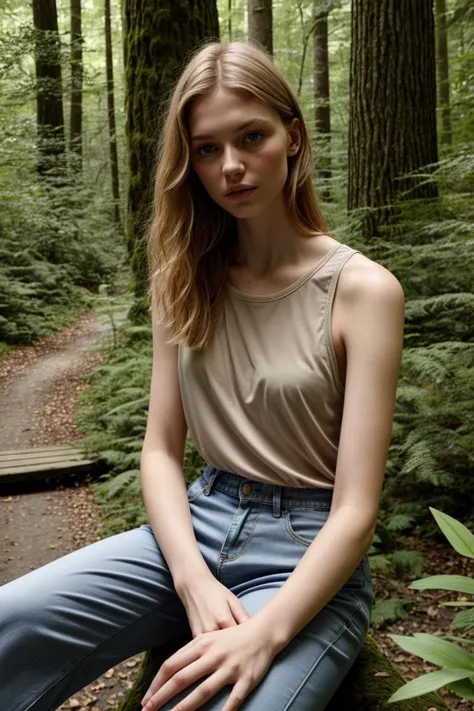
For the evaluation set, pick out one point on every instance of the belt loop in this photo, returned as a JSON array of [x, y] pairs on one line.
[[211, 481], [276, 500]]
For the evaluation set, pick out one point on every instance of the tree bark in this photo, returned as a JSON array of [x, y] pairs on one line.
[[443, 72], [159, 34], [368, 685], [392, 122], [75, 135], [260, 24], [49, 96], [111, 113], [322, 110]]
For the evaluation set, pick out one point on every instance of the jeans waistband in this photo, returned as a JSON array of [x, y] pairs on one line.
[[279, 497]]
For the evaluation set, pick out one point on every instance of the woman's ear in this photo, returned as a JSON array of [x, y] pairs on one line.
[[294, 137]]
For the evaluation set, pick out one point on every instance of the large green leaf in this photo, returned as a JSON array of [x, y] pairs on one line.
[[464, 688], [461, 539], [435, 650], [458, 583], [464, 620], [429, 682]]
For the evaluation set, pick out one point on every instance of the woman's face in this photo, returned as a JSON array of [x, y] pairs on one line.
[[237, 142]]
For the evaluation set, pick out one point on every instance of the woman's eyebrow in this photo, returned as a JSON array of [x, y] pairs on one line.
[[202, 137]]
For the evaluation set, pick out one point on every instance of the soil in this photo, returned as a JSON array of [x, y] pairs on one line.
[[38, 388]]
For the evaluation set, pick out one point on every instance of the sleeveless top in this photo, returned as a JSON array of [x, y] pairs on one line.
[[264, 399]]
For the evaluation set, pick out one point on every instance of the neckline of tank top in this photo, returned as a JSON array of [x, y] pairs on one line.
[[275, 295]]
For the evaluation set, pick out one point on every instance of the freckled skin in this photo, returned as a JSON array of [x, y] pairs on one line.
[[227, 157]]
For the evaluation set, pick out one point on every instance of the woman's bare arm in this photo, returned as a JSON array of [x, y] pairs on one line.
[[162, 478]]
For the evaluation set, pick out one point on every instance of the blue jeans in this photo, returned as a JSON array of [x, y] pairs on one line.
[[65, 624]]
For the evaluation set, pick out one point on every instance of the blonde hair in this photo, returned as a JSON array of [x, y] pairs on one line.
[[191, 239]]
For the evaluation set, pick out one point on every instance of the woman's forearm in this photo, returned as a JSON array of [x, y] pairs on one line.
[[322, 571], [166, 502]]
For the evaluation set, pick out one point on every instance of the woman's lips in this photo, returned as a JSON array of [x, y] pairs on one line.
[[240, 194]]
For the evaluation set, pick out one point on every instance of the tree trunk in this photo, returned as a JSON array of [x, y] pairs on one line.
[[260, 25], [75, 137], [322, 110], [159, 34], [49, 96], [392, 122], [443, 72], [111, 113], [368, 685]]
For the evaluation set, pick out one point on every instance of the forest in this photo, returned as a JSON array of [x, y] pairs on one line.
[[387, 92]]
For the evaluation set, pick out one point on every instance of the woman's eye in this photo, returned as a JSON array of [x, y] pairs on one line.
[[254, 136], [203, 150]]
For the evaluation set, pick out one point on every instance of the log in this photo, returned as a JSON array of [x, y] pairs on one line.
[[369, 683]]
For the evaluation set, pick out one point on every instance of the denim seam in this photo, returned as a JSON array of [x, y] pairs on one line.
[[247, 543], [221, 560], [327, 648], [94, 651]]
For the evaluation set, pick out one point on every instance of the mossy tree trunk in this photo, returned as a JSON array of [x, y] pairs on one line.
[[367, 686], [443, 72], [392, 121], [49, 94], [109, 66], [322, 106], [159, 34], [77, 71], [260, 23]]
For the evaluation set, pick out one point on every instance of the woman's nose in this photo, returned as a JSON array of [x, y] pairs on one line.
[[232, 162]]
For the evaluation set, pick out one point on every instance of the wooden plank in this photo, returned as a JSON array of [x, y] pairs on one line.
[[39, 450], [42, 457], [41, 464]]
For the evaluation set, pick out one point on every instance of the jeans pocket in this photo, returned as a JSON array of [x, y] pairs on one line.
[[196, 488], [304, 523]]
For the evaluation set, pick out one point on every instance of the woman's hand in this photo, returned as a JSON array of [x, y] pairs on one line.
[[210, 605], [239, 656]]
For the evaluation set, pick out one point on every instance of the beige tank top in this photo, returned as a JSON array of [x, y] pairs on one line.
[[264, 399]]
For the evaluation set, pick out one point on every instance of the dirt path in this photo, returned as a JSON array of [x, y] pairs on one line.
[[38, 392]]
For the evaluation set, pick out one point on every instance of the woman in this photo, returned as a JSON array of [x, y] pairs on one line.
[[278, 349]]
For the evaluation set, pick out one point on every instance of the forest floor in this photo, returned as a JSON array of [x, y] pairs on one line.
[[38, 389]]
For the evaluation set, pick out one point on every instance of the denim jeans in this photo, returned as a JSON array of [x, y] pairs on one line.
[[65, 624]]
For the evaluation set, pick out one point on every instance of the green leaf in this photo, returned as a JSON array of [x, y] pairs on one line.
[[429, 682], [464, 620], [435, 650], [458, 603], [464, 688], [457, 583], [461, 539]]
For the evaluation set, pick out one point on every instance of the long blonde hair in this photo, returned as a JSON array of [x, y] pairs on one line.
[[191, 239]]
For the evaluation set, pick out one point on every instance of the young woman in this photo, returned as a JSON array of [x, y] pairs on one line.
[[278, 349]]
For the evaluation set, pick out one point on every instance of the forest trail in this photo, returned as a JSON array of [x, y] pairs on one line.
[[38, 395]]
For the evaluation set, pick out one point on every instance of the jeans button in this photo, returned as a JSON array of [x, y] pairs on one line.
[[246, 489]]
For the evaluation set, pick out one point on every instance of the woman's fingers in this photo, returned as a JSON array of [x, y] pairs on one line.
[[180, 681], [197, 697], [186, 655], [239, 612]]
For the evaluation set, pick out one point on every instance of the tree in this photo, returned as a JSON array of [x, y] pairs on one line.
[[322, 110], [392, 122], [159, 34], [111, 112], [49, 97], [260, 27], [75, 134], [443, 71]]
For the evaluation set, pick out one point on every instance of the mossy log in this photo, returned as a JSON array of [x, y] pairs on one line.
[[370, 682]]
